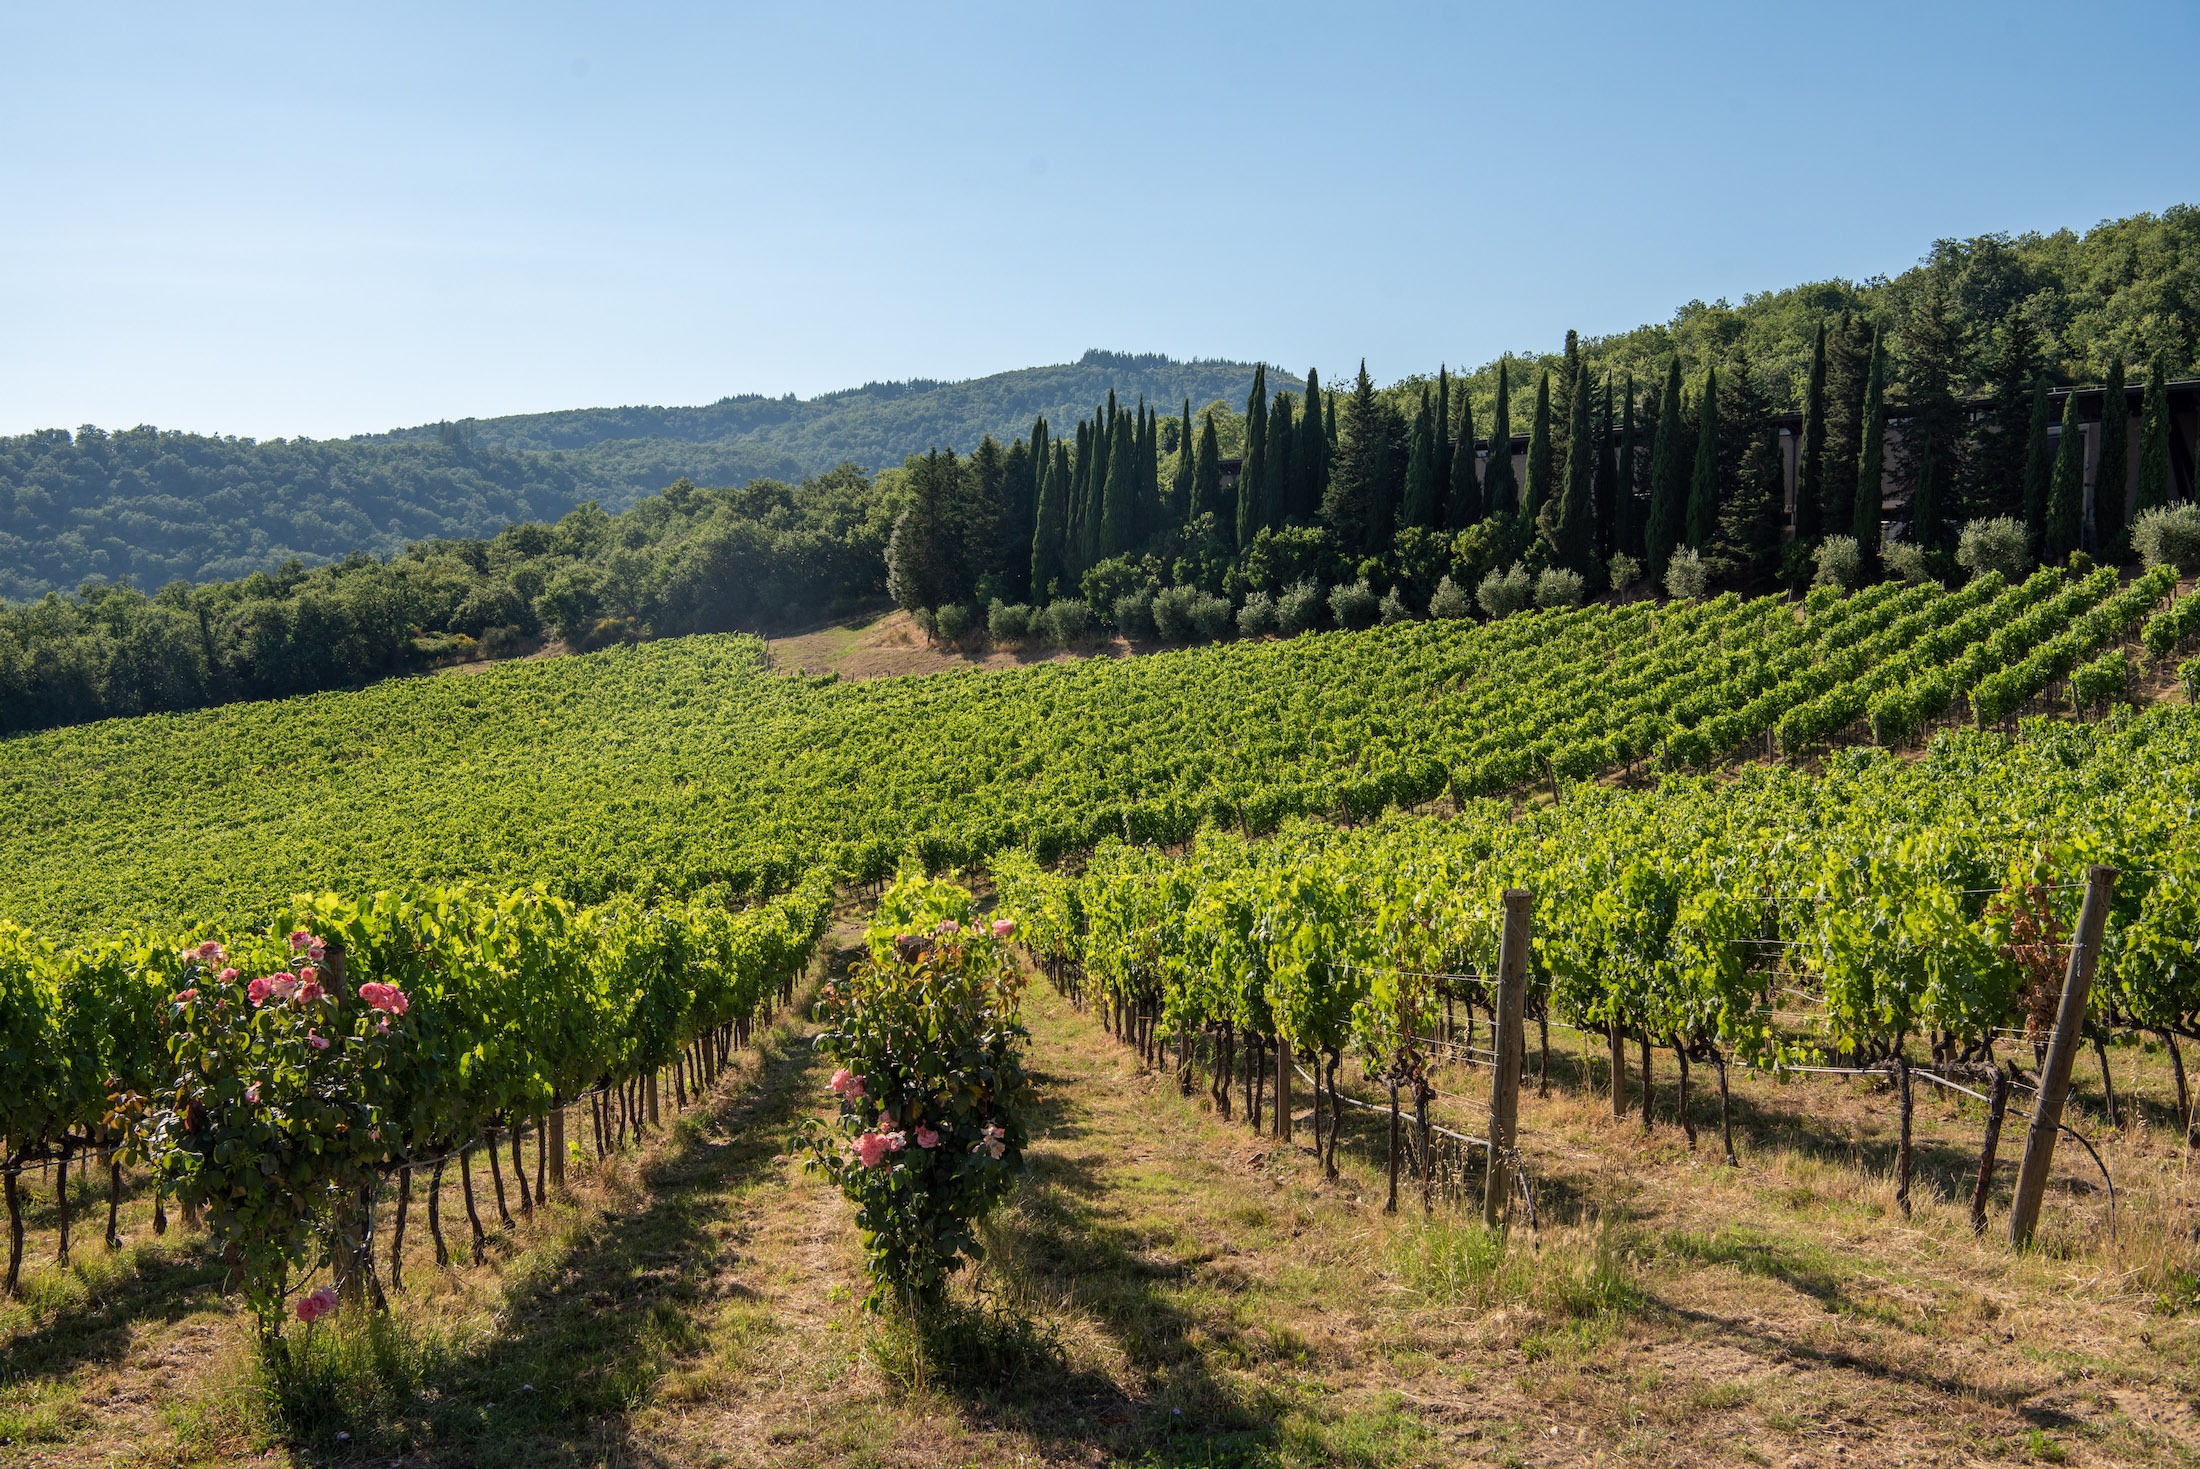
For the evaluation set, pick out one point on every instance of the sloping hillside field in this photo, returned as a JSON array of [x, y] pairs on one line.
[[686, 763]]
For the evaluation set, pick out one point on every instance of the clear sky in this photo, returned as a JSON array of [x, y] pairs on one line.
[[315, 219]]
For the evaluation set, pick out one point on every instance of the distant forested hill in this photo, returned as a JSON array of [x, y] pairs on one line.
[[151, 506]]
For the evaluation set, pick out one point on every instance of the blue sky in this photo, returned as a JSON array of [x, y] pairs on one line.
[[323, 220]]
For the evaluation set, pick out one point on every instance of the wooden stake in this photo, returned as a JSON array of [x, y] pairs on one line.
[[1618, 1040], [1997, 1104], [1283, 1090], [1902, 1153], [2062, 1049], [1510, 1041]]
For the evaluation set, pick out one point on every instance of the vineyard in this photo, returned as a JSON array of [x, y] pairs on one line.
[[681, 765], [294, 970]]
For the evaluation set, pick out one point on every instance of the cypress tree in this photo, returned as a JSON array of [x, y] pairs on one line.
[[1810, 468], [2066, 491], [1077, 530], [919, 555], [1020, 509], [1703, 480], [2039, 459], [1662, 532], [1423, 499], [1568, 388], [1357, 507], [1500, 486], [1463, 501], [1933, 340], [2154, 486], [1119, 520], [1993, 481], [1871, 458], [1607, 477], [1180, 483], [983, 517], [2112, 473], [1207, 482], [1310, 457], [1848, 364], [1539, 453], [1626, 516], [1572, 535], [1051, 523], [1928, 517], [1252, 482], [1275, 500], [1443, 431], [1329, 432]]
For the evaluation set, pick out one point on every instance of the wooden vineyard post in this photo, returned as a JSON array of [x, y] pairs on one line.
[[1618, 1041], [1283, 1088], [1511, 1045], [1997, 1105], [2062, 1050]]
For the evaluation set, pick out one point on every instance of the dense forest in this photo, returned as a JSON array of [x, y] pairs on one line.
[[686, 560], [150, 506]]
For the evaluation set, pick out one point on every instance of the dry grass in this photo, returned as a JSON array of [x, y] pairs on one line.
[[1170, 1290]]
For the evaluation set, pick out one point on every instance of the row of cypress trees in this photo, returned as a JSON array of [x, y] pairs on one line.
[[1611, 466]]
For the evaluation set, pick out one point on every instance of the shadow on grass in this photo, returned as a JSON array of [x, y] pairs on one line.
[[138, 1286], [1066, 1248], [592, 1320]]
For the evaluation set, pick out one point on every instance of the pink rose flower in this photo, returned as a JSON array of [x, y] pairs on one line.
[[927, 1138], [209, 952], [872, 1148], [996, 1141], [947, 926], [185, 997], [385, 997], [841, 1078], [309, 990], [1003, 927], [896, 1141], [229, 976], [317, 1305], [252, 1093], [299, 938], [320, 1043], [258, 991]]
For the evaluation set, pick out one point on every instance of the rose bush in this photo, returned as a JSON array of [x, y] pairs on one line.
[[273, 1119], [929, 1136]]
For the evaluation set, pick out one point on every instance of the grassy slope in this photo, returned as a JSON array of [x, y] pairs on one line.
[[1200, 1296]]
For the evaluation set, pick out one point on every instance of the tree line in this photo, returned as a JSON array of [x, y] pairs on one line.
[[1619, 478], [686, 560]]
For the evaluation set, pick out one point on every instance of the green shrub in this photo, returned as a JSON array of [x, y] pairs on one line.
[[1995, 543], [1688, 576], [1503, 593], [1559, 587], [1450, 601], [1211, 617], [1257, 618], [1133, 615], [952, 621], [1068, 622], [1172, 614], [1840, 563], [1394, 608], [2169, 535], [1354, 605], [1300, 609], [1007, 622]]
